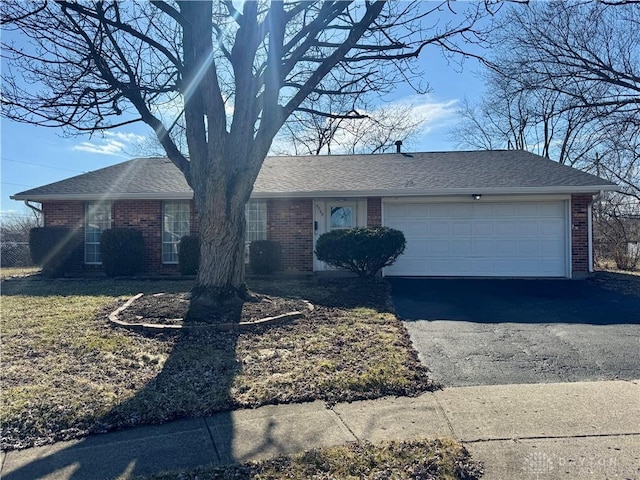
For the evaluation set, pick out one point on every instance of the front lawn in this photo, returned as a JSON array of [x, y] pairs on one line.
[[66, 372]]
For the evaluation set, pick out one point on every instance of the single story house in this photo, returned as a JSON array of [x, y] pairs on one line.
[[505, 213]]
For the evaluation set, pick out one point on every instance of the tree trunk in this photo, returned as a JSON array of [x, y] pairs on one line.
[[220, 289]]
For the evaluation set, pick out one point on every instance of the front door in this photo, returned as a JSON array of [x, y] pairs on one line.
[[331, 215]]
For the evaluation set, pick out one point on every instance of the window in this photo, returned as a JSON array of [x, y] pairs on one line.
[[256, 214], [97, 219], [342, 217], [175, 225]]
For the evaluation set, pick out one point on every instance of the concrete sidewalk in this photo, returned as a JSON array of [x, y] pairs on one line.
[[542, 431]]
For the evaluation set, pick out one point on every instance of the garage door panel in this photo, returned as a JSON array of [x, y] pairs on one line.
[[551, 210], [440, 211], [459, 227], [482, 227], [505, 210], [438, 228], [462, 210], [553, 227], [528, 209], [505, 227], [528, 248], [483, 247], [528, 228], [472, 239], [506, 247], [551, 248], [462, 246]]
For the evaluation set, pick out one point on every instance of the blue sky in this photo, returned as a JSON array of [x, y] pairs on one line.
[[33, 156]]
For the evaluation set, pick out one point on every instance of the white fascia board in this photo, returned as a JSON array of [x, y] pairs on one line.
[[439, 192], [99, 197], [413, 192]]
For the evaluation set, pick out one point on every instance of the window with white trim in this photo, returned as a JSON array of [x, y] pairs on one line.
[[97, 218], [256, 214], [175, 225]]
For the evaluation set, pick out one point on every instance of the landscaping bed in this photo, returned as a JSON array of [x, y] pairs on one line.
[[416, 460], [67, 372]]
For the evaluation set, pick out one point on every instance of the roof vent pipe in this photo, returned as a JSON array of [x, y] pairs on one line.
[[399, 146]]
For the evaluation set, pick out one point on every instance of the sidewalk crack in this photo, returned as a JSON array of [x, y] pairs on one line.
[[343, 423], [213, 440], [446, 417]]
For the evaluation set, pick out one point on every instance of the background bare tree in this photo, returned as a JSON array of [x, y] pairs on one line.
[[564, 82], [363, 131], [235, 72]]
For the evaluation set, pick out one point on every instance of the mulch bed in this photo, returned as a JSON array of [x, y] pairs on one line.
[[171, 308]]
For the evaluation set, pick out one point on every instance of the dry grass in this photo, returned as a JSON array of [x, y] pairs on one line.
[[419, 459], [9, 272], [66, 372]]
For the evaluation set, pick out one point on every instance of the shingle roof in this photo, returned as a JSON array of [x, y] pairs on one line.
[[430, 173]]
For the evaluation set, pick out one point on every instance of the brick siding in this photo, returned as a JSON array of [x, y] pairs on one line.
[[374, 212], [580, 235], [70, 215], [145, 216], [290, 222]]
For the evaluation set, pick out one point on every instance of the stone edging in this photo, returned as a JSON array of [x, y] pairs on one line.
[[155, 327]]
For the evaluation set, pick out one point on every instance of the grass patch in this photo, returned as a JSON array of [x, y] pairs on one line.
[[419, 459], [9, 272], [66, 372]]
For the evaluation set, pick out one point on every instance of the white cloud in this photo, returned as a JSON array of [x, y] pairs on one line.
[[435, 114], [112, 143]]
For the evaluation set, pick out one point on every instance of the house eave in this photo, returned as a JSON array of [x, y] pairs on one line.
[[96, 197], [408, 192], [404, 192]]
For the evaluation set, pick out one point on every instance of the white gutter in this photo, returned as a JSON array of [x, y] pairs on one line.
[[404, 192]]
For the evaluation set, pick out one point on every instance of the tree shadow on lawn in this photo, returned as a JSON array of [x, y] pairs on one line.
[[171, 395], [201, 435]]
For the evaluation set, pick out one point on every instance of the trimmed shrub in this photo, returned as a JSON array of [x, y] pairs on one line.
[[122, 251], [265, 257], [364, 251], [189, 255], [54, 249]]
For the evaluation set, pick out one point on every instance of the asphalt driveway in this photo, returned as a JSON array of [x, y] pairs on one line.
[[490, 332]]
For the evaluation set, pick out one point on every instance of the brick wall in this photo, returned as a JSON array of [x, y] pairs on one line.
[[580, 235], [70, 215], [290, 222], [374, 212], [145, 216]]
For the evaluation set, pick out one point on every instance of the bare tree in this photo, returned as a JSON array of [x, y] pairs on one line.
[[235, 73], [534, 120], [564, 82], [363, 131]]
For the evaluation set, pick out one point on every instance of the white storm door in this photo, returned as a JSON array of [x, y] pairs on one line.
[[328, 216]]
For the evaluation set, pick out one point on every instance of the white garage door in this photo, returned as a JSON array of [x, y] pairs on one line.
[[480, 239]]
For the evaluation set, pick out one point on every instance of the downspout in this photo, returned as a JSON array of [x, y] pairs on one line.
[[590, 227], [36, 210]]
